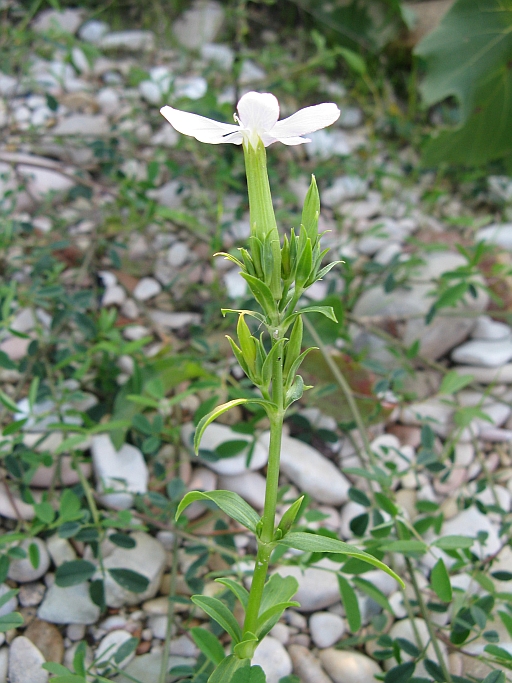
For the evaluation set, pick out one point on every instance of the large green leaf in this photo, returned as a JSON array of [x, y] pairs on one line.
[[230, 503], [467, 57], [323, 544], [223, 616]]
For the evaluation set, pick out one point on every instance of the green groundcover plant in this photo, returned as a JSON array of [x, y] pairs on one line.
[[277, 275]]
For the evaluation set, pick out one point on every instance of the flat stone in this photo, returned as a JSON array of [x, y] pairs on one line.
[[4, 664], [214, 435], [318, 589], [131, 41], [273, 659], [44, 477], [31, 594], [82, 125], [343, 188], [485, 375], [146, 668], [310, 471], [151, 92], [166, 136], [220, 55], [404, 629], [199, 25], [147, 558], [344, 666], [65, 21], [178, 254], [15, 347], [498, 234], [468, 523], [41, 181], [486, 353], [487, 328], [114, 296], [22, 571], [236, 286], [249, 485], [47, 638], [11, 605], [25, 662], [174, 320], [108, 648], [307, 667], [326, 628], [60, 550], [71, 605], [125, 471]]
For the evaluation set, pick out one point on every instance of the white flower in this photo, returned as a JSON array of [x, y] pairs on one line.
[[257, 119]]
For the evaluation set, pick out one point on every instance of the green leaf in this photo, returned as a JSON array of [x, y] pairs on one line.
[[453, 542], [245, 648], [498, 652], [10, 621], [228, 449], [468, 57], [7, 402], [70, 678], [289, 516], [401, 673], [271, 616], [453, 382], [404, 547], [8, 595], [350, 604], [69, 506], [452, 295], [373, 592], [230, 503], [227, 668], [33, 555], [130, 580], [323, 544], [440, 581], [327, 311], [253, 675], [45, 512], [495, 677], [359, 497], [74, 572], [217, 610], [354, 60], [386, 504], [237, 589], [311, 211], [261, 293], [55, 668], [122, 540], [220, 410], [208, 644], [506, 618]]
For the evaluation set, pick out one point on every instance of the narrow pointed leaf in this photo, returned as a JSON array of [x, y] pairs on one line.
[[440, 581], [350, 604], [315, 543], [271, 616], [328, 311], [236, 588], [227, 669], [261, 293], [230, 503], [217, 610], [208, 644]]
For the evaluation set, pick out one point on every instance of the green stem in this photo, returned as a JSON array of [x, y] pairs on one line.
[[265, 542], [261, 209]]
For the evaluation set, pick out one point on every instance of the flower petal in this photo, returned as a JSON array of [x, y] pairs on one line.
[[201, 128], [258, 111], [305, 121]]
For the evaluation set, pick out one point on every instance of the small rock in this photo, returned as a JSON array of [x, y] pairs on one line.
[[108, 647], [124, 471], [220, 55], [344, 666], [307, 667], [501, 375], [25, 662], [249, 485], [8, 85], [498, 234], [108, 101], [114, 296], [174, 320], [489, 329], [44, 477], [214, 435], [404, 629], [236, 286], [166, 136], [47, 638], [75, 632], [193, 87], [12, 507], [31, 594], [318, 589], [468, 523], [82, 125], [310, 471], [15, 347], [71, 605], [147, 558], [65, 21], [273, 659], [4, 664], [183, 646], [146, 668], [80, 61], [146, 289], [60, 550], [350, 117], [326, 628], [281, 632], [22, 571], [199, 25], [487, 353], [151, 92], [178, 254], [343, 188], [93, 31], [131, 41]]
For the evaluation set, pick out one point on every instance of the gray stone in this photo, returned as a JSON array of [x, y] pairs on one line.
[[108, 648], [249, 485], [178, 254], [25, 662], [199, 25], [484, 352], [12, 507], [93, 31], [71, 605], [174, 320], [343, 188], [131, 41], [214, 435], [82, 125], [310, 471], [65, 21], [345, 666], [318, 589], [404, 629], [60, 550], [146, 668], [487, 328], [9, 606], [151, 92], [146, 558], [273, 659], [220, 55], [307, 667], [4, 664], [31, 594], [501, 375], [125, 471], [22, 571], [498, 234], [146, 289], [326, 628]]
